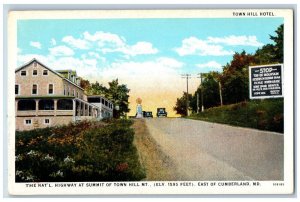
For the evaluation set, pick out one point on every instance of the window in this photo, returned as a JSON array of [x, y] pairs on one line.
[[106, 103], [34, 89], [77, 94], [34, 72], [73, 92], [69, 91], [23, 73], [17, 89], [65, 104], [47, 121], [94, 99], [24, 105], [28, 121], [50, 90], [45, 72], [46, 105], [64, 89]]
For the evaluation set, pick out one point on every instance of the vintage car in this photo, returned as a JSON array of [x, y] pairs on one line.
[[147, 114], [161, 112]]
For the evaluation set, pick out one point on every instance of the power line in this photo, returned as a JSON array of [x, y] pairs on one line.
[[187, 77]]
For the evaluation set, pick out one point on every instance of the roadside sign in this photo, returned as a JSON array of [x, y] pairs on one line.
[[266, 81]]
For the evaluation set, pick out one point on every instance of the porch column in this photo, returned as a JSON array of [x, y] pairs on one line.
[[36, 107], [55, 106], [74, 110], [16, 106], [80, 110], [83, 109]]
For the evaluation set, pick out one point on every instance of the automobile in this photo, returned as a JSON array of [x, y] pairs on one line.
[[147, 114], [161, 112]]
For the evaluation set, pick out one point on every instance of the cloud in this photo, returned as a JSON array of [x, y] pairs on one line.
[[236, 40], [195, 46], [210, 64], [76, 43], [53, 42], [140, 48], [103, 37], [36, 44], [61, 51], [23, 59], [110, 43]]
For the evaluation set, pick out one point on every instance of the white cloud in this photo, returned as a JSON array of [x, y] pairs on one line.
[[236, 40], [61, 51], [169, 62], [76, 43], [22, 59], [145, 75], [95, 55], [210, 64], [103, 37], [36, 44], [53, 42], [195, 46], [19, 50], [140, 48], [110, 43]]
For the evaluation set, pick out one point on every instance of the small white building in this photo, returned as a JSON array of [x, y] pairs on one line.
[[106, 107]]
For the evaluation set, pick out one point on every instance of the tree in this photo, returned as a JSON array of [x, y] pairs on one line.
[[270, 53], [265, 55], [235, 81], [118, 94], [180, 106], [278, 47], [211, 96], [85, 84], [97, 89]]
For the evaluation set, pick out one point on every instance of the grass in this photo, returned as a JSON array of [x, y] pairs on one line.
[[260, 114]]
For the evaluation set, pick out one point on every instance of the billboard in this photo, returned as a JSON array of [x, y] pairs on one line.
[[266, 81]]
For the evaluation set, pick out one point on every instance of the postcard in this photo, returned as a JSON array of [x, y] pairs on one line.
[[110, 102]]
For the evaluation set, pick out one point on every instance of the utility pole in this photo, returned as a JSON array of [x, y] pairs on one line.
[[187, 77], [220, 92], [197, 102], [201, 87]]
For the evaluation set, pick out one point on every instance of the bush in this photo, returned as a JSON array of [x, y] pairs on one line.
[[84, 151]]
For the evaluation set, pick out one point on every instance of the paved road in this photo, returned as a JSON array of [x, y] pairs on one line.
[[209, 151]]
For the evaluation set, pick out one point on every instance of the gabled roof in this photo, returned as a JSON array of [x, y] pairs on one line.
[[55, 72]]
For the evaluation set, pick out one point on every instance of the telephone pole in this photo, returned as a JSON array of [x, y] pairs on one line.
[[201, 87], [187, 77]]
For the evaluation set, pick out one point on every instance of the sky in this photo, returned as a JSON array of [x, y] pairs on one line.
[[148, 55]]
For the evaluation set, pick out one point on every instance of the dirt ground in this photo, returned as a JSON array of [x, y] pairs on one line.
[[183, 149], [158, 165]]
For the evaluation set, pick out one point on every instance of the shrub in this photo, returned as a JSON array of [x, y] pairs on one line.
[[84, 151]]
